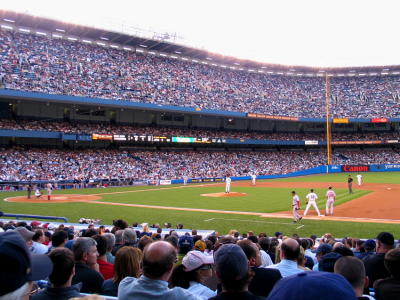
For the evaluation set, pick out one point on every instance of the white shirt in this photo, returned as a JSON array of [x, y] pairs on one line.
[[201, 290], [359, 177], [228, 180], [296, 200], [331, 195], [312, 197], [38, 248], [253, 177], [265, 259]]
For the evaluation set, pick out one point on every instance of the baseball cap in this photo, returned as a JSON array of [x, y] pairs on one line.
[[195, 259], [25, 233], [324, 249], [313, 285], [278, 233], [386, 238], [231, 262], [186, 242], [200, 245], [328, 261], [18, 266], [35, 223], [370, 244]]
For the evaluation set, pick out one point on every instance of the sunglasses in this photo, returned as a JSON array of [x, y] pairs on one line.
[[206, 267]]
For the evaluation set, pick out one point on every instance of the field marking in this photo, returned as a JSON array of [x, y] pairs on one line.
[[251, 221], [301, 226]]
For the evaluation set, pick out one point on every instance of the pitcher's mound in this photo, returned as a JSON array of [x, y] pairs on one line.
[[232, 194]]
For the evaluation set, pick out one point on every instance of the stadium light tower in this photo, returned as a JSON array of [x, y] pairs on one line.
[[328, 120]]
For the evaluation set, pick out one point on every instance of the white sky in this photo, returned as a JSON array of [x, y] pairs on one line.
[[292, 32]]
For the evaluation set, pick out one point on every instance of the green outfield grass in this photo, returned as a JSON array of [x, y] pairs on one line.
[[258, 199]]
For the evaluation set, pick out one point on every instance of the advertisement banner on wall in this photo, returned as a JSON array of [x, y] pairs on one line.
[[165, 182], [357, 168]]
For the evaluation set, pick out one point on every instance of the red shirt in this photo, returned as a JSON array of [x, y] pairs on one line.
[[106, 269]]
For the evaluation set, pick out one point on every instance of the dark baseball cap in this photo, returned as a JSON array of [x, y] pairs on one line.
[[370, 244], [386, 238], [328, 261], [324, 249], [18, 266], [231, 262]]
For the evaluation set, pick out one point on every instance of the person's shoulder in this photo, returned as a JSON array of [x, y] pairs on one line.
[[126, 282], [181, 293], [270, 272]]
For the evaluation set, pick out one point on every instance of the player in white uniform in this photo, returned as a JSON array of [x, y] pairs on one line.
[[359, 179], [228, 184], [296, 207], [185, 180], [330, 200], [253, 179], [312, 201], [49, 188], [38, 193]]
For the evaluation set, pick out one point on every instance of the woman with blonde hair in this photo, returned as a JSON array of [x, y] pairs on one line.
[[128, 262]]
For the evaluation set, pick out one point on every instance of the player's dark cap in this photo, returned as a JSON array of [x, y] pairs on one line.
[[293, 192], [386, 238], [330, 188]]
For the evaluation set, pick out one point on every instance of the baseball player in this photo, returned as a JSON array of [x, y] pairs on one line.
[[330, 200], [49, 188], [350, 184], [228, 184], [253, 179], [29, 190], [296, 207], [38, 194], [312, 201], [359, 179], [185, 179]]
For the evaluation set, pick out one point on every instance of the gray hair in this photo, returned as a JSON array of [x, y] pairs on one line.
[[81, 246], [118, 236], [110, 238], [129, 235]]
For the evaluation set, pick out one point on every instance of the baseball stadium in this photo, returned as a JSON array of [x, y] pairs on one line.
[[100, 127]]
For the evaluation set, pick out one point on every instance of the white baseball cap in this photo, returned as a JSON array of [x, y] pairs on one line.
[[195, 259]]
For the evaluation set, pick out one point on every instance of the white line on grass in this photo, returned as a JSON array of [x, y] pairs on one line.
[[300, 227], [253, 221]]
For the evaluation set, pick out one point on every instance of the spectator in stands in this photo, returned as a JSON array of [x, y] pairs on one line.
[[37, 246], [327, 262], [232, 269], [86, 267], [321, 251], [118, 241], [264, 279], [144, 241], [158, 261], [19, 268], [185, 245], [266, 260], [195, 269], [389, 288], [129, 238], [374, 264], [313, 285], [369, 249], [290, 250], [127, 263], [352, 268], [58, 240], [60, 280], [106, 268], [26, 234], [110, 238]]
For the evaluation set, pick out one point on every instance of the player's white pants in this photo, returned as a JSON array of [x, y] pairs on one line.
[[359, 183], [227, 188], [296, 215], [253, 182], [314, 205], [329, 207]]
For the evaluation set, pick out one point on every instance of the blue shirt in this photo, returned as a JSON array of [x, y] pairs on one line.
[[287, 267], [144, 288]]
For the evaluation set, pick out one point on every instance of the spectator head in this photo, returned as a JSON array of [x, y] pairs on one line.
[[343, 250], [35, 224], [195, 260], [312, 285], [110, 238], [18, 267], [38, 236], [252, 252], [101, 244], [120, 224], [232, 268], [63, 267], [352, 268], [85, 250], [128, 262], [173, 240], [264, 243], [385, 242], [327, 262], [290, 249], [26, 235], [144, 241], [59, 238], [322, 250], [369, 246], [158, 260], [129, 236], [392, 262], [118, 237], [200, 245], [185, 244], [278, 235], [253, 238]]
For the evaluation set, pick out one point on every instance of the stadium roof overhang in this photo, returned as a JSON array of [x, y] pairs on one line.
[[163, 43]]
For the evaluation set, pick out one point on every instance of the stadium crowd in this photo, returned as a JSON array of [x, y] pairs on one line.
[[49, 262], [107, 128], [18, 164], [41, 64]]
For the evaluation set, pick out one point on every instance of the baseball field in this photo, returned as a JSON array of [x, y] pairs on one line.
[[265, 207]]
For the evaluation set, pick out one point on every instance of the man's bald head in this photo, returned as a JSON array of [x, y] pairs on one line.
[[290, 249], [158, 259]]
